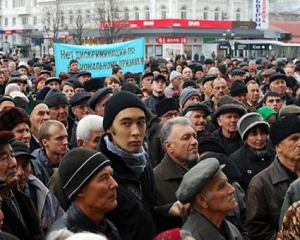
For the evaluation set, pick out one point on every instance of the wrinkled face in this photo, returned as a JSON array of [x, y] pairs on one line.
[[68, 91], [219, 88], [182, 144], [8, 165], [198, 119], [187, 73], [192, 99], [84, 78], [53, 84], [228, 122], [168, 115], [58, 142], [59, 113], [74, 67], [256, 139], [253, 93], [208, 88], [100, 193], [252, 67], [219, 197], [274, 102], [146, 82], [22, 133], [94, 139], [101, 105], [279, 86], [128, 129], [11, 67], [176, 82], [289, 148], [158, 86], [23, 171], [82, 109], [241, 98], [39, 115]]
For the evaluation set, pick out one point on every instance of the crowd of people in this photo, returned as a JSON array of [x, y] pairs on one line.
[[182, 150]]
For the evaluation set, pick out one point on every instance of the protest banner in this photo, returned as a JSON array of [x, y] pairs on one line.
[[99, 59]]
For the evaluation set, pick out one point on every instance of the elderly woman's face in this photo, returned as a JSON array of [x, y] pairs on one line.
[[22, 133], [256, 139]]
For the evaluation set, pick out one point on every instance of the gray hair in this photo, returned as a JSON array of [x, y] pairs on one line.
[[168, 125], [11, 88], [188, 114], [60, 234], [87, 125], [12, 64], [87, 235]]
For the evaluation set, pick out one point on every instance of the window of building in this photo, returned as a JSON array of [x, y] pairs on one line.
[[47, 19], [34, 3], [14, 21], [14, 39], [25, 20], [205, 13], [35, 20], [147, 13], [238, 15], [163, 12], [5, 4], [217, 14], [126, 14], [6, 22], [88, 14], [136, 13], [183, 14], [19, 3], [71, 17]]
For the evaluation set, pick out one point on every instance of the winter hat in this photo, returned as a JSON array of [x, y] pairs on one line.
[[266, 112], [187, 93], [117, 103], [55, 97], [77, 167], [289, 109], [210, 144], [165, 105], [11, 117], [174, 74], [237, 88], [101, 93], [283, 128], [42, 94], [249, 121], [189, 83], [21, 148], [126, 86], [52, 79], [93, 84], [31, 105]]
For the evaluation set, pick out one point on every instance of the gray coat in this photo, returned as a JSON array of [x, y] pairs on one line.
[[202, 229]]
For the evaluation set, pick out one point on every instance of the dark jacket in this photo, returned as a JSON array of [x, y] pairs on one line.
[[73, 139], [76, 221], [34, 144], [132, 217], [250, 163], [151, 101], [31, 229], [264, 200], [41, 156], [7, 236], [203, 229]]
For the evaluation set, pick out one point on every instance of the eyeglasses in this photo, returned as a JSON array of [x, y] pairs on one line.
[[171, 114], [222, 87]]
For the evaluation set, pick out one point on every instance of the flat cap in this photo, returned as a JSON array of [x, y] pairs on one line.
[[16, 74], [208, 61], [165, 105], [51, 79], [15, 80], [55, 97], [208, 77], [98, 96], [83, 73], [196, 106], [227, 108], [289, 109], [146, 74], [79, 97], [276, 76], [268, 72], [129, 75], [6, 137], [237, 71], [21, 148], [45, 72], [38, 64], [197, 178]]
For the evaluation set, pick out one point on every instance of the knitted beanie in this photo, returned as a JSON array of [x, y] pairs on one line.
[[55, 97], [284, 127], [174, 74], [31, 105], [117, 103], [266, 112], [77, 167], [188, 93], [165, 105]]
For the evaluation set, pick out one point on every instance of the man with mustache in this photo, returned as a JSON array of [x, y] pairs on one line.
[[21, 219], [87, 179]]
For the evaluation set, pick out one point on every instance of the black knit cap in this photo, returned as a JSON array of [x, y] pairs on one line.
[[78, 167], [119, 102], [165, 105], [284, 127], [237, 88], [93, 84], [231, 170], [55, 97], [126, 86], [6, 137], [210, 144]]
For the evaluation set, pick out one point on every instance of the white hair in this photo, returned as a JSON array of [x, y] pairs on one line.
[[60, 234], [12, 64], [87, 125], [11, 88], [86, 235], [15, 94]]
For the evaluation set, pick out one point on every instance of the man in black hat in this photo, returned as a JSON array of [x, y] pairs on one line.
[[87, 179], [98, 100], [129, 77], [146, 82], [125, 126], [267, 189], [53, 82], [84, 76], [238, 91], [207, 85], [206, 187], [158, 88], [238, 74], [21, 218]]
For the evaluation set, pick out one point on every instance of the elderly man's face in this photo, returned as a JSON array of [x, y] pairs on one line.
[[279, 86], [84, 78], [23, 171], [94, 139], [198, 119], [228, 122], [220, 197], [8, 165], [219, 88], [192, 99], [82, 109], [39, 115], [128, 129], [100, 193], [289, 148], [100, 106], [59, 113], [182, 145]]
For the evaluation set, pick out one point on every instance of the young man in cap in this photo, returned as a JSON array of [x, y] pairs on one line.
[[206, 187], [158, 88], [21, 218], [175, 82], [125, 125], [267, 189], [87, 179]]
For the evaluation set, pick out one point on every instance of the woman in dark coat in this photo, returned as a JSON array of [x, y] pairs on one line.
[[254, 155]]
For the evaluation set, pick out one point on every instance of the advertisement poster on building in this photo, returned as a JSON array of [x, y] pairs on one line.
[[170, 50], [209, 48]]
